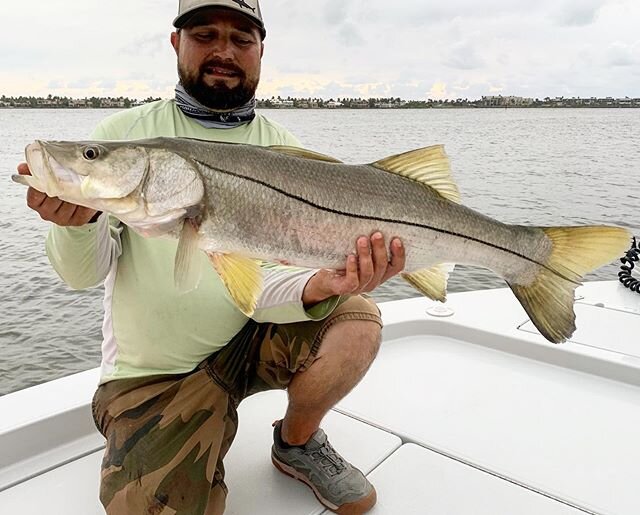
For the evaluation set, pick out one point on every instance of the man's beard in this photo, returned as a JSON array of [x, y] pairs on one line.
[[219, 96]]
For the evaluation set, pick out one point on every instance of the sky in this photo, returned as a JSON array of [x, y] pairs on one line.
[[413, 49]]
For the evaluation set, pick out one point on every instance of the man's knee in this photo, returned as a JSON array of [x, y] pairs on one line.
[[368, 339], [362, 306], [358, 309], [356, 321]]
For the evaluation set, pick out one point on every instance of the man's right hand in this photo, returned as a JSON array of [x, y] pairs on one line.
[[53, 209]]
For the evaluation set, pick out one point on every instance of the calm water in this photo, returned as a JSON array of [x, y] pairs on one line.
[[544, 167]]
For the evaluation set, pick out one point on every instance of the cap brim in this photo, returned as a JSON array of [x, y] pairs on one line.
[[184, 18]]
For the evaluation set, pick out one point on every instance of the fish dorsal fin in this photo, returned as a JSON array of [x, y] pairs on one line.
[[428, 166], [303, 153], [243, 278], [432, 282]]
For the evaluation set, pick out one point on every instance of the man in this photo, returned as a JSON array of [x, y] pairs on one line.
[[175, 367]]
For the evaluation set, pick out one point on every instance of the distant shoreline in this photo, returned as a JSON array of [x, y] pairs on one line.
[[273, 108], [486, 102]]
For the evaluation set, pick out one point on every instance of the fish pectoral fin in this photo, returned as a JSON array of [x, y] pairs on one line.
[[242, 277], [432, 282], [187, 269], [428, 166], [303, 153]]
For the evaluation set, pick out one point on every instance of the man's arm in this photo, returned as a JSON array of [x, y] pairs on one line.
[[281, 299], [295, 295], [83, 256]]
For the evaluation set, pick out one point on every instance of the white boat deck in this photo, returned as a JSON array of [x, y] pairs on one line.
[[469, 414]]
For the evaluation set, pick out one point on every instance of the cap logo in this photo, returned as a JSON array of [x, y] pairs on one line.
[[244, 4]]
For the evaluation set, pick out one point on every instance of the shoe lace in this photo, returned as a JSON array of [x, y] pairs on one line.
[[327, 457]]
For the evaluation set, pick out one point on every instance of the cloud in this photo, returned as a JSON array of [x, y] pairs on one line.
[[411, 49], [578, 13], [147, 45], [335, 11], [350, 36], [438, 91], [464, 56], [80, 84], [621, 54]]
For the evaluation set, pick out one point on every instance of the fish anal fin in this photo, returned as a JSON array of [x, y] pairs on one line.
[[549, 304], [431, 282], [188, 264], [303, 153], [429, 166], [242, 276]]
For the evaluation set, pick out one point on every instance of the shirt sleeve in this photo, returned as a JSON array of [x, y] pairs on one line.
[[83, 256], [105, 131], [290, 140], [281, 298]]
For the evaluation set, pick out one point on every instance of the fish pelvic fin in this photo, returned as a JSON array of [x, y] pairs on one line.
[[187, 269], [429, 166], [432, 282], [242, 277], [576, 251]]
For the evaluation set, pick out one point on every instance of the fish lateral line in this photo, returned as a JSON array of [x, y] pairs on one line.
[[385, 220]]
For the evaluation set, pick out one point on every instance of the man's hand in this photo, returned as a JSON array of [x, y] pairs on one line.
[[53, 209], [364, 272]]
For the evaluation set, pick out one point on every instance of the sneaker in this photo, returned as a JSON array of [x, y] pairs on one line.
[[337, 484]]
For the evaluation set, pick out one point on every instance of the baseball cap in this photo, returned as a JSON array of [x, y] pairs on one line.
[[250, 8]]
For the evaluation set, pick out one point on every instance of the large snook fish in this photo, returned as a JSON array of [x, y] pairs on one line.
[[241, 204]]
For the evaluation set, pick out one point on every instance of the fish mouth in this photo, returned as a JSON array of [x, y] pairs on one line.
[[48, 175]]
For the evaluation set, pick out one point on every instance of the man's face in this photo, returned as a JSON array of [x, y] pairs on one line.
[[219, 57]]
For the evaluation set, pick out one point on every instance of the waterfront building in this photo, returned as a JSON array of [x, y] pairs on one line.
[[508, 101]]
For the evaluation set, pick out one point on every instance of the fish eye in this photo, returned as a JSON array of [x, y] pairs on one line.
[[90, 153]]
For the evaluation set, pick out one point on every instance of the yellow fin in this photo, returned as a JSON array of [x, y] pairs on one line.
[[580, 250], [429, 166], [432, 283], [548, 300], [303, 153], [242, 277]]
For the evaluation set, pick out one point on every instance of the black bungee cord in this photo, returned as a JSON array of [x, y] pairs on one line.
[[628, 264]]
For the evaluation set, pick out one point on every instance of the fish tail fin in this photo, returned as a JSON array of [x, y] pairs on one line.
[[576, 251]]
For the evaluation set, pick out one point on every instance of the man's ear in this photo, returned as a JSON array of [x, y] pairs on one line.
[[261, 49], [175, 41]]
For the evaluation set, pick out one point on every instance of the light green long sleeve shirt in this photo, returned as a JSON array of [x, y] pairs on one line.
[[149, 328]]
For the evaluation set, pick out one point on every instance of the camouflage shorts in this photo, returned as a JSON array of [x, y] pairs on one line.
[[167, 435]]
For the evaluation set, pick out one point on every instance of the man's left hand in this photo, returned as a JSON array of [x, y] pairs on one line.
[[364, 272]]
